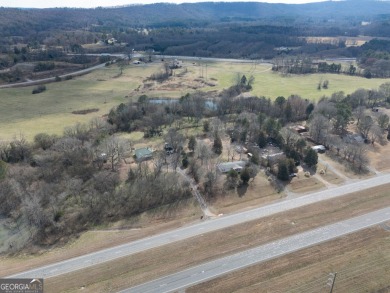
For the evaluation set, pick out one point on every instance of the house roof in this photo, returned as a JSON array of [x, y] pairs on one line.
[[143, 153], [226, 167], [318, 147]]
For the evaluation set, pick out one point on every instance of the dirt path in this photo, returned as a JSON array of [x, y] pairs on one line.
[[334, 170], [326, 183], [194, 187]]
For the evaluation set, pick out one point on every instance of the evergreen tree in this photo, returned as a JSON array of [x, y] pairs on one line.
[[311, 158], [283, 173], [245, 176], [217, 146], [185, 162], [192, 143], [231, 179], [206, 126], [309, 109], [262, 140]]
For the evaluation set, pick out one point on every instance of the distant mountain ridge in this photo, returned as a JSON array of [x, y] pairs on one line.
[[17, 21]]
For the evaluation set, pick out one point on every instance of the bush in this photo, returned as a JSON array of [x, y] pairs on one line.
[[44, 66], [39, 89], [311, 158], [185, 162], [3, 169], [44, 140], [245, 176]]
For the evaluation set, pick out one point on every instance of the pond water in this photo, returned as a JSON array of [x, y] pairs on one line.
[[211, 105]]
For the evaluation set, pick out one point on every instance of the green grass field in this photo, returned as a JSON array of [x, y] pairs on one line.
[[22, 113], [270, 84]]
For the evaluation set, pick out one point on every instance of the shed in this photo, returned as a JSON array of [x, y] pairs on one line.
[[226, 167], [299, 129], [319, 148], [143, 154]]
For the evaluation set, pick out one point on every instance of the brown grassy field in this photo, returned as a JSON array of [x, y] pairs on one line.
[[380, 157], [304, 185], [141, 267], [361, 260], [258, 192]]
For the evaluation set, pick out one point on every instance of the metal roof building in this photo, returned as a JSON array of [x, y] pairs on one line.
[[143, 154], [226, 167]]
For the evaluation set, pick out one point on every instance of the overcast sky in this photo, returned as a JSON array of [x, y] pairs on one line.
[[96, 3]]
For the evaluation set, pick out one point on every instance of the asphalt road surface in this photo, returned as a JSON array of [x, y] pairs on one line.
[[221, 266], [52, 79], [198, 229]]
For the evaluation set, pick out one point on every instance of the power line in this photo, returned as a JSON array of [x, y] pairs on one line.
[[331, 281]]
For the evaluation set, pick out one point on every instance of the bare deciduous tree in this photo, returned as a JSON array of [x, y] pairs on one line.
[[365, 125], [359, 113], [383, 121], [319, 128], [203, 152], [377, 135], [290, 137], [114, 149]]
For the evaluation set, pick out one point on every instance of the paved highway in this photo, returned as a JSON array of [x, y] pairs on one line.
[[138, 55], [221, 266], [198, 229], [52, 79]]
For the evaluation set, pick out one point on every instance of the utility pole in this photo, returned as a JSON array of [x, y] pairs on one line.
[[331, 281]]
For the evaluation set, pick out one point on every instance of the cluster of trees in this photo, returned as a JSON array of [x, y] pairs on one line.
[[60, 185], [219, 30], [332, 116], [38, 89], [43, 59], [151, 115], [372, 57], [305, 65], [43, 66]]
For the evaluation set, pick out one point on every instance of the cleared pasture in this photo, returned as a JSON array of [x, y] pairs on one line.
[[22, 113], [50, 111], [271, 84]]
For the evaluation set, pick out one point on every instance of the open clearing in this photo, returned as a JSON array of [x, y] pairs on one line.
[[141, 267], [257, 193], [50, 111], [272, 85], [304, 185], [380, 158], [361, 260]]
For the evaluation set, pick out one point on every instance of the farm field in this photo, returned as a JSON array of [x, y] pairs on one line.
[[271, 85], [25, 114], [141, 267]]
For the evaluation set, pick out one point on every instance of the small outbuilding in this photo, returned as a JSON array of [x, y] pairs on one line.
[[319, 148], [143, 154], [299, 129], [227, 167]]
